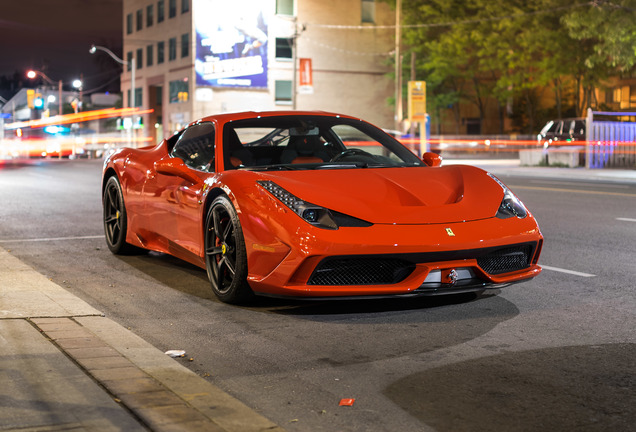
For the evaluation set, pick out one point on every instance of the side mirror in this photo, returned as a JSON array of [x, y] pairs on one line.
[[175, 167], [432, 159]]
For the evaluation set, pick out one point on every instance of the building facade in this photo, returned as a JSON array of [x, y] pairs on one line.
[[200, 57]]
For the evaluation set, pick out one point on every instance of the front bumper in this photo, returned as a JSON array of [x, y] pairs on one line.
[[397, 259]]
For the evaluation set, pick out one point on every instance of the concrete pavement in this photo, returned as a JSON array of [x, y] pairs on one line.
[[66, 367]]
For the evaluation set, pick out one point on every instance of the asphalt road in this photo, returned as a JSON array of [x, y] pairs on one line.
[[555, 353]]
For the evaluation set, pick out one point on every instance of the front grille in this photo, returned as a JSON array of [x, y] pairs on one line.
[[506, 259], [360, 271]]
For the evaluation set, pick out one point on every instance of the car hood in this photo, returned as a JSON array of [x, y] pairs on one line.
[[410, 195]]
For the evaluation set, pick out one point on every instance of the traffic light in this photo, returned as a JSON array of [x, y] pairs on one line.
[[38, 101]]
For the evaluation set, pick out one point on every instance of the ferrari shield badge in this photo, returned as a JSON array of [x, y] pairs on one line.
[[450, 232]]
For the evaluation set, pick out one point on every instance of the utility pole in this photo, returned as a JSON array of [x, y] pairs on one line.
[[398, 65]]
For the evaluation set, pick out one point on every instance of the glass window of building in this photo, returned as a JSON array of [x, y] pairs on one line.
[[285, 7], [161, 47], [150, 16], [129, 60], [172, 49], [179, 90], [284, 48], [185, 45], [137, 101], [138, 95], [140, 19], [160, 10], [140, 58], [185, 6], [283, 91], [368, 11], [172, 8], [149, 55], [129, 23]]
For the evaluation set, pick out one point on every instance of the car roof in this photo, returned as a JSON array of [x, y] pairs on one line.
[[226, 117]]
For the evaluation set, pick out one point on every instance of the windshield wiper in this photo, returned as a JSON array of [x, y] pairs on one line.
[[271, 168], [350, 165]]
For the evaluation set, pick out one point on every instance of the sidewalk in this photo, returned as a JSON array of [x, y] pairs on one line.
[[66, 367], [511, 167]]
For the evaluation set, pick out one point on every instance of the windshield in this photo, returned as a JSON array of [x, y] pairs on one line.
[[311, 142]]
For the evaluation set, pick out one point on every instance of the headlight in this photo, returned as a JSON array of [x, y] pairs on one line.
[[510, 205], [315, 215]]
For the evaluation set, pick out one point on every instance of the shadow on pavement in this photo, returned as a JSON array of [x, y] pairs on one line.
[[552, 389]]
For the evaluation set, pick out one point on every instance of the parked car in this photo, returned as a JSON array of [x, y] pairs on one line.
[[562, 132], [314, 204]]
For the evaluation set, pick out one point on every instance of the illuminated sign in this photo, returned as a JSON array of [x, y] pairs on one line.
[[231, 43], [417, 101]]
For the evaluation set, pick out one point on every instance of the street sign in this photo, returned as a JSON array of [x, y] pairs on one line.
[[417, 101], [306, 84]]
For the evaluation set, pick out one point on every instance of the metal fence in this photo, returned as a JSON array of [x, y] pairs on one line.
[[610, 143]]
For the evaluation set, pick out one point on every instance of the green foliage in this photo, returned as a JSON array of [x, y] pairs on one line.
[[514, 49]]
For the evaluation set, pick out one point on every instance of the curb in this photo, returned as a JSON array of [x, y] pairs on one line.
[[153, 388]]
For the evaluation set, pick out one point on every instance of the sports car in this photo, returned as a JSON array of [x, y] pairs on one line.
[[315, 204]]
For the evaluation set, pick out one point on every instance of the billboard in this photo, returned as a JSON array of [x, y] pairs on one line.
[[231, 43]]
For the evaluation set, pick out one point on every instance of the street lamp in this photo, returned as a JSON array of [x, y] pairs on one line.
[[131, 99], [95, 48], [33, 73]]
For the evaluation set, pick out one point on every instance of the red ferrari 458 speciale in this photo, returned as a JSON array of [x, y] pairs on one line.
[[314, 204]]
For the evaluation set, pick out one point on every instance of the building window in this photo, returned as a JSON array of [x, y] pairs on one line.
[[160, 10], [149, 55], [140, 19], [179, 91], [185, 6], [137, 101], [284, 48], [129, 60], [368, 11], [129, 23], [285, 7], [172, 8], [150, 16], [283, 91], [161, 47], [172, 49], [185, 45], [140, 58], [138, 96]]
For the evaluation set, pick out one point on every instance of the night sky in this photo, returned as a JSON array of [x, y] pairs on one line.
[[54, 36]]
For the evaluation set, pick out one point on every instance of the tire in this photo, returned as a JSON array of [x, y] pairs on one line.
[[225, 255], [116, 219]]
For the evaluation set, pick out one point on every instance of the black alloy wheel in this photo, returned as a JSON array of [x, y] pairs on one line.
[[225, 255], [115, 218]]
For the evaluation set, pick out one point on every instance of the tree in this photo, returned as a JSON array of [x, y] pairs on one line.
[[478, 51], [606, 34]]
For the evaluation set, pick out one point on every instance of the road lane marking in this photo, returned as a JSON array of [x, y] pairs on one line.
[[572, 190], [51, 239], [572, 272], [626, 219], [565, 183]]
